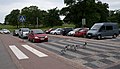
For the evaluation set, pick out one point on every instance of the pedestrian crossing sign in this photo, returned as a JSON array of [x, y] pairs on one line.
[[22, 18]]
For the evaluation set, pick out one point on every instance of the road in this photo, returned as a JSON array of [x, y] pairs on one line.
[[99, 54], [29, 56]]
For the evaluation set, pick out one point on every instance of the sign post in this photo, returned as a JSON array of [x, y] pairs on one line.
[[83, 21], [22, 19]]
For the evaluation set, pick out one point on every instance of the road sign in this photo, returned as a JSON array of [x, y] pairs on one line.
[[22, 18], [83, 21]]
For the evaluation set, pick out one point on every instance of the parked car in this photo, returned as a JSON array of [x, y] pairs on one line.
[[100, 30], [37, 35], [15, 32], [66, 30], [23, 32], [49, 30], [119, 30], [81, 33], [6, 31], [1, 31], [71, 33], [56, 31]]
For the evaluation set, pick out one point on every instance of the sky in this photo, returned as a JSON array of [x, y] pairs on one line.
[[6, 6]]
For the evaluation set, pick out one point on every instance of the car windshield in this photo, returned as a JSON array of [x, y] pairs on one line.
[[38, 31], [25, 30], [96, 27], [77, 29], [58, 29], [82, 30]]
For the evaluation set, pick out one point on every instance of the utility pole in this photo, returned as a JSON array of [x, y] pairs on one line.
[[37, 22]]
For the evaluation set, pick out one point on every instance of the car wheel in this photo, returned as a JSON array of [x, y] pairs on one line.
[[22, 37], [55, 33], [99, 37], [33, 40], [19, 37], [114, 36]]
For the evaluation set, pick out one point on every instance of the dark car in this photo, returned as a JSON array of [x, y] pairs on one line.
[[66, 30], [119, 30], [15, 32], [37, 35]]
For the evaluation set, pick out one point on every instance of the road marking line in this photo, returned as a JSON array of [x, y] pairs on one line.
[[36, 52], [19, 54]]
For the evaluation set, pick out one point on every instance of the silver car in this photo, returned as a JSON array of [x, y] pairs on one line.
[[57, 31], [23, 32], [1, 31], [6, 31]]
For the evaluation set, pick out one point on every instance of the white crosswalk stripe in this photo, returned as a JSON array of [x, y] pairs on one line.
[[36, 52], [18, 53]]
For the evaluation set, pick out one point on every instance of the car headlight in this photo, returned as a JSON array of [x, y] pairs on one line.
[[36, 37], [46, 36]]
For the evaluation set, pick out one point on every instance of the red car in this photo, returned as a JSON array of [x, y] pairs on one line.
[[81, 33], [49, 30], [37, 35]]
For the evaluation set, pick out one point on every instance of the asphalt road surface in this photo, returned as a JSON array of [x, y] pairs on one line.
[[16, 53]]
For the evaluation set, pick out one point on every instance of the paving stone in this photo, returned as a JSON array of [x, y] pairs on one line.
[[98, 63], [91, 65], [80, 61], [88, 59], [116, 53], [102, 55], [117, 57], [106, 61], [110, 54], [113, 59], [97, 57], [114, 67]]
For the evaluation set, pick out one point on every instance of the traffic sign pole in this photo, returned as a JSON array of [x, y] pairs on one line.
[[22, 19]]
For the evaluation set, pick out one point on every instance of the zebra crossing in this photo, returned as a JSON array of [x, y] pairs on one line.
[[95, 56], [21, 55]]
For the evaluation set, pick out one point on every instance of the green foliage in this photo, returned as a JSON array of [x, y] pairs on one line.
[[52, 18], [34, 16], [91, 10], [114, 16], [12, 18]]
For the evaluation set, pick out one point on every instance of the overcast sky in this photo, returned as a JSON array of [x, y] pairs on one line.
[[6, 6]]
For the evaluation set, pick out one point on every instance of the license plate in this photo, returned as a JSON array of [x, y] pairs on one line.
[[42, 38]]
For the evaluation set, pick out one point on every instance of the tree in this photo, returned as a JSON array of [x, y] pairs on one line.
[[91, 10], [12, 18], [31, 13], [114, 16], [52, 18]]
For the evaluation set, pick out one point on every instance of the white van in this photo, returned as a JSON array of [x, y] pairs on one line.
[[100, 30]]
